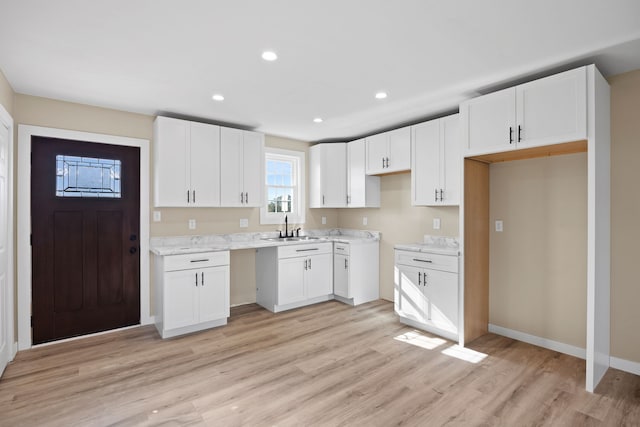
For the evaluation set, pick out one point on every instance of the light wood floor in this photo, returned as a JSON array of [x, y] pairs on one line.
[[327, 364]]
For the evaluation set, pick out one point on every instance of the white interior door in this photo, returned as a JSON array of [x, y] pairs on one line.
[[5, 303]]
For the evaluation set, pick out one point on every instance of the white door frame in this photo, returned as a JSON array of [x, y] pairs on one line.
[[6, 119], [25, 132]]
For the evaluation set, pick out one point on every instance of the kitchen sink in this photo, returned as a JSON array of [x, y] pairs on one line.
[[291, 239]]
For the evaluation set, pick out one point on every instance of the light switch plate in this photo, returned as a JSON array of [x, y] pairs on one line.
[[365, 220], [244, 222], [499, 225], [436, 223], [324, 220], [157, 216], [192, 224]]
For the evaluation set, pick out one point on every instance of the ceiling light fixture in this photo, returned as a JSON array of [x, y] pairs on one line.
[[217, 97], [268, 55], [381, 95], [317, 120]]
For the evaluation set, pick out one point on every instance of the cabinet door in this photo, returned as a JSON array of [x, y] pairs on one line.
[[425, 164], [291, 276], [334, 175], [319, 275], [341, 276], [377, 147], [231, 168], [315, 176], [363, 191], [171, 159], [205, 165], [489, 122], [553, 109], [180, 299], [399, 150], [253, 168], [213, 296], [451, 154], [441, 290], [411, 298]]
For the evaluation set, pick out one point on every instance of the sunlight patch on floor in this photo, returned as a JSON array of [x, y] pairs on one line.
[[420, 340], [464, 353]]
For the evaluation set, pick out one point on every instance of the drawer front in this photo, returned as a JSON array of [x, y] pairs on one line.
[[306, 249], [199, 260], [427, 260], [341, 248]]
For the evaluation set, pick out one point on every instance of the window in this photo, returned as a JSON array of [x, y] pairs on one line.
[[284, 187], [87, 177]]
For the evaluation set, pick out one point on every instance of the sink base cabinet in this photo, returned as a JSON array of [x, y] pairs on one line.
[[355, 272], [426, 292], [289, 277], [192, 292]]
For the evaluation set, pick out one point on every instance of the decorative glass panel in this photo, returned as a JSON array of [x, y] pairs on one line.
[[87, 177]]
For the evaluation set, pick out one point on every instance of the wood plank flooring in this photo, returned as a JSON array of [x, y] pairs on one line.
[[323, 365]]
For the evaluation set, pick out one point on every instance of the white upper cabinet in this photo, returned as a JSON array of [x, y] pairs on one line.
[[547, 111], [436, 162], [186, 163], [328, 175], [389, 151], [241, 168], [363, 191]]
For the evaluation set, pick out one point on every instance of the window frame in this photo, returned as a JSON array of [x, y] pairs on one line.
[[297, 216]]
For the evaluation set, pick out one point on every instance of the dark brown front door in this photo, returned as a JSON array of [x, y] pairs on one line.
[[85, 218]]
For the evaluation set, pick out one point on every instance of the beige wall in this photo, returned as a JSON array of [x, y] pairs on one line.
[[538, 263], [6, 94], [625, 212], [399, 222]]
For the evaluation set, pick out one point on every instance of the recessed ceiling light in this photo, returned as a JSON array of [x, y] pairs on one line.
[[317, 120], [381, 95], [268, 55], [217, 97]]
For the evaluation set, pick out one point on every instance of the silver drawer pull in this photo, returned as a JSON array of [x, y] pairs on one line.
[[307, 250], [199, 260], [339, 248], [423, 260]]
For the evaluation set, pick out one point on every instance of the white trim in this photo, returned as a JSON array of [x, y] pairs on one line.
[[266, 218], [6, 118], [539, 341], [25, 132], [625, 365]]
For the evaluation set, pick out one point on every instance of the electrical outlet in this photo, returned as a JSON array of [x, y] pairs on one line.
[[365, 220], [192, 224], [436, 223], [499, 225], [244, 222], [157, 216], [324, 220]]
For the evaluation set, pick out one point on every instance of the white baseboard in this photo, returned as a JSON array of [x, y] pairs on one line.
[[148, 321], [14, 350], [539, 341], [625, 365]]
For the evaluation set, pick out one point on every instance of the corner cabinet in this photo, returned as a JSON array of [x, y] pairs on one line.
[[389, 152], [192, 292], [241, 168], [293, 276], [186, 163], [355, 272], [426, 291], [363, 191], [436, 162], [550, 110], [328, 175]]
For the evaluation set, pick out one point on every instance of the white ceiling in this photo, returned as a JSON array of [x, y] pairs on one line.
[[170, 56]]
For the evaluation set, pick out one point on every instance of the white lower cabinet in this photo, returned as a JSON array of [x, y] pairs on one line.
[[293, 276], [426, 291], [192, 292], [355, 272]]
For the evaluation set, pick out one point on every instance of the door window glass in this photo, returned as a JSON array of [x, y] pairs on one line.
[[87, 177]]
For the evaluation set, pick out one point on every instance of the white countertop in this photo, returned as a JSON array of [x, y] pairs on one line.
[[434, 245], [224, 242]]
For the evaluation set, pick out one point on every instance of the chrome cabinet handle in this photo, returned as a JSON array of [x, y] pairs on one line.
[[202, 281], [309, 263], [383, 163], [188, 199], [510, 135], [196, 280], [194, 196], [519, 133], [246, 197], [419, 278], [423, 260], [305, 264]]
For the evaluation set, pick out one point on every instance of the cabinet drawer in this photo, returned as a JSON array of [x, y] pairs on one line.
[[427, 260], [199, 260], [341, 248], [307, 249]]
